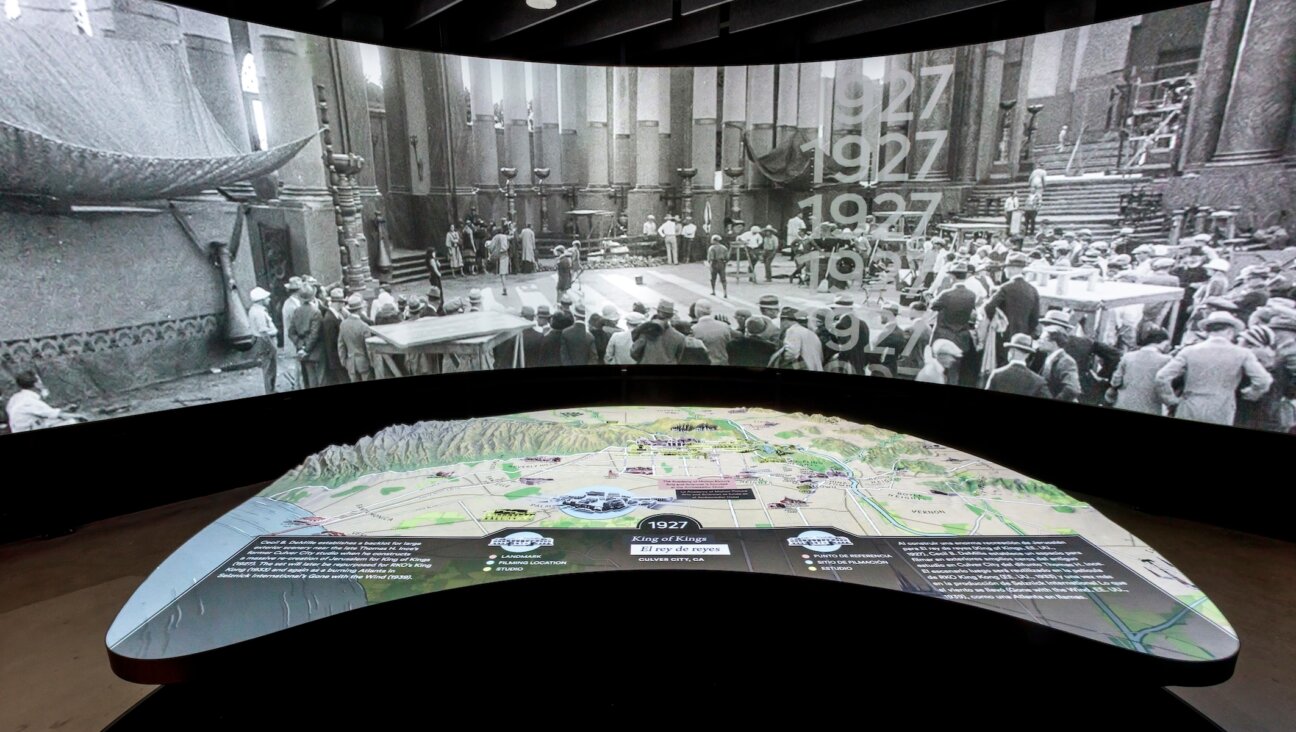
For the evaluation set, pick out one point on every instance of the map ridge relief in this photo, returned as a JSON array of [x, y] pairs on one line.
[[437, 505]]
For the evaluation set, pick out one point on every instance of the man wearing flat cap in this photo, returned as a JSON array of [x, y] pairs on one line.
[[1016, 377], [1212, 373], [1253, 292]]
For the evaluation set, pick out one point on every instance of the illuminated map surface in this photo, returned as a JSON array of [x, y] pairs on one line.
[[439, 505]]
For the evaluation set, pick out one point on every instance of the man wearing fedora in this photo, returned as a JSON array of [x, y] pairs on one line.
[[1094, 360], [1017, 299], [801, 345], [330, 325], [750, 348], [288, 377], [769, 248], [577, 345], [264, 329], [307, 335], [1016, 377], [1134, 380], [352, 351], [1212, 373], [656, 342], [955, 312], [1059, 368], [1253, 292]]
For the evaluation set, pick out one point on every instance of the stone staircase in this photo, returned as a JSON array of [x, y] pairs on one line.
[[1073, 203], [1099, 156], [408, 266]]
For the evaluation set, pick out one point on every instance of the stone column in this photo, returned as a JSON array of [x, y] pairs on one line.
[[596, 146], [215, 72], [574, 119], [666, 167], [938, 121], [705, 97], [810, 90], [988, 124], [483, 111], [788, 85], [1260, 99], [734, 115], [545, 102], [648, 115], [458, 111], [623, 121], [143, 20], [288, 97], [517, 135], [970, 107], [846, 88], [901, 121], [760, 118]]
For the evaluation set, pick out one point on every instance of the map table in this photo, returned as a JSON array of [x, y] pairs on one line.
[[468, 337], [439, 506]]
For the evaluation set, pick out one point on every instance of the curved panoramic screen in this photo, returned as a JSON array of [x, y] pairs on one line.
[[437, 506], [196, 209]]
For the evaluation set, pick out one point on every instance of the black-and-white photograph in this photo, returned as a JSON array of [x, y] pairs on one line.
[[196, 209]]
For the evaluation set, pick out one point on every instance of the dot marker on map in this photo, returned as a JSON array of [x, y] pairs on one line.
[[812, 569], [486, 569], [490, 561], [493, 556], [809, 561]]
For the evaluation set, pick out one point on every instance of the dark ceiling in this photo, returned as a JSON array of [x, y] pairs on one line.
[[678, 32]]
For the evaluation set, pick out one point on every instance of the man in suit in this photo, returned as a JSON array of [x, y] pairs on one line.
[[1135, 378], [1212, 372], [656, 342], [1016, 377], [330, 324], [531, 339], [1094, 360], [955, 308], [307, 334], [1059, 369], [577, 345], [1017, 299], [352, 332], [551, 344], [713, 333], [751, 349]]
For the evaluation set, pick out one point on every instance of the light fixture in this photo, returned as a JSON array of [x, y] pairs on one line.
[[542, 4]]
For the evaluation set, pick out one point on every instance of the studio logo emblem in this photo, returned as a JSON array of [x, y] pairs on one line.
[[521, 541], [819, 541]]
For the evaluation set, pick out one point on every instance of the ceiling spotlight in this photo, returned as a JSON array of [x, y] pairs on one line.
[[542, 4]]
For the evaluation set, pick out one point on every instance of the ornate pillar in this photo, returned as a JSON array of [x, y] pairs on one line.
[[788, 86], [457, 113], [760, 118], [1260, 99], [934, 128], [486, 174], [572, 169], [623, 121], [517, 134], [215, 71], [1220, 45], [734, 115], [596, 146]]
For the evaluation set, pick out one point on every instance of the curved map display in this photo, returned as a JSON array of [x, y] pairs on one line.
[[436, 506]]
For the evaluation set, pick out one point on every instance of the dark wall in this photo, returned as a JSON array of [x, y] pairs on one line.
[[1221, 475]]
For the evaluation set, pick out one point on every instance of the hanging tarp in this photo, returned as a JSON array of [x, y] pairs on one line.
[[787, 164], [110, 120]]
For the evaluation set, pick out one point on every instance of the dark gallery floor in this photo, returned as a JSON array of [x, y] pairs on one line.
[[58, 596]]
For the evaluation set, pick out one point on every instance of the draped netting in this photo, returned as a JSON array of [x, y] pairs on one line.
[[111, 120], [787, 163]]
